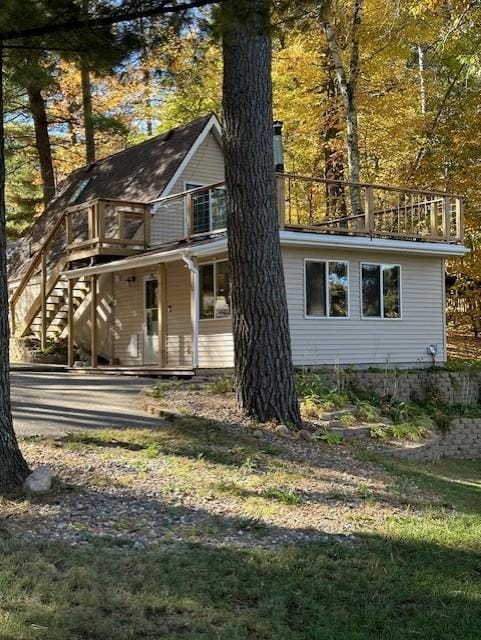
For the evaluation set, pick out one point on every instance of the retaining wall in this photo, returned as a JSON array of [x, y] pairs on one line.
[[418, 385], [462, 441]]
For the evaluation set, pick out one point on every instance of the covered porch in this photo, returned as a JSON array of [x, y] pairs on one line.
[[141, 316]]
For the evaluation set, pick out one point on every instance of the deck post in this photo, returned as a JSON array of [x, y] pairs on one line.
[[447, 219], [189, 215], [93, 321], [281, 200], [460, 219], [433, 220], [70, 323], [43, 293], [162, 311], [369, 210], [101, 206], [147, 226]]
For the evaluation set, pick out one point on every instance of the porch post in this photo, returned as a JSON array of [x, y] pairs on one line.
[[70, 322], [93, 321], [43, 328], [162, 312], [194, 307]]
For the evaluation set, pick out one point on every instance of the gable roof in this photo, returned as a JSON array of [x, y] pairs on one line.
[[140, 173]]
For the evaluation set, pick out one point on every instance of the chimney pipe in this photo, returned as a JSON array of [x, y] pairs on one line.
[[278, 149]]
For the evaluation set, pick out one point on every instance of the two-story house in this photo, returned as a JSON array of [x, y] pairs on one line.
[[129, 263]]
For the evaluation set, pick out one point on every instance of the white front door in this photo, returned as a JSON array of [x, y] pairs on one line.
[[151, 323]]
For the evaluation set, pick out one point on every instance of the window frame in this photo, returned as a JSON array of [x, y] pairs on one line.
[[214, 264], [327, 316], [381, 291], [193, 186]]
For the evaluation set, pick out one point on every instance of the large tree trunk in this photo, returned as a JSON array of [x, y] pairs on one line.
[[42, 142], [263, 361], [13, 468], [88, 113]]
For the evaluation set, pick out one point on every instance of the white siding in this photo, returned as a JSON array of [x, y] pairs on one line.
[[351, 341], [368, 341], [179, 323], [205, 167], [128, 329], [129, 323], [216, 346]]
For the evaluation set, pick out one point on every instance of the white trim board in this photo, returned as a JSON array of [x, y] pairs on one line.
[[319, 240], [288, 239], [213, 125]]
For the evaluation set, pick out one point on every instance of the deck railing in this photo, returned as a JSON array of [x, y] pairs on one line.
[[330, 206], [107, 227]]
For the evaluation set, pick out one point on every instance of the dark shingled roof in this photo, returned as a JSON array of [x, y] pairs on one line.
[[139, 174]]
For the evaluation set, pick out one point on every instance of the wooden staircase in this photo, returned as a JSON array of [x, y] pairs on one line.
[[56, 315]]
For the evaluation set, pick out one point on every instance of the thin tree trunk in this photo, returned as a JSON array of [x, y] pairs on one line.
[[13, 468], [333, 156], [88, 113], [42, 142], [87, 101], [422, 84], [348, 89], [263, 361]]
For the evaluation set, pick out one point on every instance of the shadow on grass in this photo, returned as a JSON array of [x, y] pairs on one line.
[[189, 437], [376, 589]]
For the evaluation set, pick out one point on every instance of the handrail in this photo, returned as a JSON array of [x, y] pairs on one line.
[[384, 187], [190, 192], [35, 261]]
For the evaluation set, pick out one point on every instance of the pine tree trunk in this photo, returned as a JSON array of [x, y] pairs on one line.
[[88, 113], [13, 468], [263, 361], [42, 142]]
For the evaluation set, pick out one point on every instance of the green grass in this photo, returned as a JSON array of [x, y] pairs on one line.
[[417, 579], [415, 576]]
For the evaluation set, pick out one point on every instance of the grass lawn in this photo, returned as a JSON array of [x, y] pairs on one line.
[[415, 576]]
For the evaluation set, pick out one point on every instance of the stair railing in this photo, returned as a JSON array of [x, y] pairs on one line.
[[39, 260]]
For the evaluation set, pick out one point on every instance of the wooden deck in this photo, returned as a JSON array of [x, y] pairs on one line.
[[148, 371]]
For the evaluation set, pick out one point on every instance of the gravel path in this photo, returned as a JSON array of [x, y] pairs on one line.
[[52, 404]]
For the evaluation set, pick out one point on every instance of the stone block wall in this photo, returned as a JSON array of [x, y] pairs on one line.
[[462, 442], [418, 385]]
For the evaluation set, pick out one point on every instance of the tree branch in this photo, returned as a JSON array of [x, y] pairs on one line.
[[104, 20]]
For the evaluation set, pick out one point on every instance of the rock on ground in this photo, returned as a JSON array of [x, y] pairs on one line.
[[39, 481]]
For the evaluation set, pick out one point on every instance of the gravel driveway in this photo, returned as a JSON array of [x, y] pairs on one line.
[[58, 403]]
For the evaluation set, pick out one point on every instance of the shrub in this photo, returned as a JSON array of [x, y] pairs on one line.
[[221, 385], [348, 419]]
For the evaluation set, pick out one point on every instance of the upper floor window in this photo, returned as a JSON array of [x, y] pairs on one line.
[[208, 208], [327, 288], [381, 290], [214, 290]]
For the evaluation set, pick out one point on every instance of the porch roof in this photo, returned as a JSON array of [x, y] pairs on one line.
[[204, 247]]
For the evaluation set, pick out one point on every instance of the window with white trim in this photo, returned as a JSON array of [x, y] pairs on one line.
[[327, 288], [214, 290], [381, 290]]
